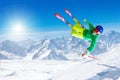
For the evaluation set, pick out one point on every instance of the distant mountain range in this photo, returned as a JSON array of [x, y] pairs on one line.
[[59, 48]]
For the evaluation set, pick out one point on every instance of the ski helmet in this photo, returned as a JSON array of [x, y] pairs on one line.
[[99, 28]]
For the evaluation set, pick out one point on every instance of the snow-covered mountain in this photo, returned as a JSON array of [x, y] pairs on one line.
[[46, 49], [11, 50], [107, 42], [26, 43], [71, 47], [60, 48]]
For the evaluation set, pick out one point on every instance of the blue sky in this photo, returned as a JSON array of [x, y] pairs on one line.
[[38, 15]]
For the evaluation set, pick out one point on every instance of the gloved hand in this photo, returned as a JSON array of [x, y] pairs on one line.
[[86, 52]]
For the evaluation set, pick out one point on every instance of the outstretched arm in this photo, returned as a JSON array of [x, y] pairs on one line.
[[91, 27], [91, 47]]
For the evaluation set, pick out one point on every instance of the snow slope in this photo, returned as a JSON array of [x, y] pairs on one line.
[[106, 69]]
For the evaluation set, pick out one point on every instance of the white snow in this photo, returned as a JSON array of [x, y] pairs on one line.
[[106, 69], [30, 70]]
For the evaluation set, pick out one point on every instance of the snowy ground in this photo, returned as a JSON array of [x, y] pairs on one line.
[[106, 69]]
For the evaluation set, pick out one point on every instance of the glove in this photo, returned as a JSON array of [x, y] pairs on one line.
[[86, 52]]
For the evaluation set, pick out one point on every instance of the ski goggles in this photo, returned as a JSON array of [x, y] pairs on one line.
[[96, 31]]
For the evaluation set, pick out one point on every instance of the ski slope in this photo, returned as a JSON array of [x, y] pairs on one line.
[[106, 69]]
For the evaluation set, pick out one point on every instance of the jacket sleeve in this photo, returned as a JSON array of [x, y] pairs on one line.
[[92, 45], [91, 27]]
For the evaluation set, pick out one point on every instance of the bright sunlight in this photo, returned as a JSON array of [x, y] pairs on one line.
[[18, 28]]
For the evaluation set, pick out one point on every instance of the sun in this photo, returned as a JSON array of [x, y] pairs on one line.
[[18, 28]]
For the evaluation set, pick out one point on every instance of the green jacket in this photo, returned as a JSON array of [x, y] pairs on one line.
[[87, 35]]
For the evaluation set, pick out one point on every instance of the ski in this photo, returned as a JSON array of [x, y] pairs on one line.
[[59, 17], [92, 57], [63, 20], [69, 13]]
